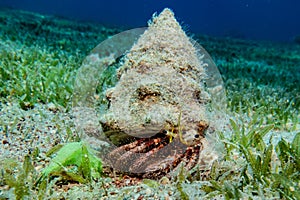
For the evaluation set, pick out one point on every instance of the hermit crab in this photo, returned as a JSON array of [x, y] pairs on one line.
[[147, 99]]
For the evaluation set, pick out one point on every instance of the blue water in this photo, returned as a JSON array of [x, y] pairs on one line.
[[277, 20]]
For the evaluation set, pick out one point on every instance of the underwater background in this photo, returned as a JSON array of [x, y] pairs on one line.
[[276, 20], [255, 45]]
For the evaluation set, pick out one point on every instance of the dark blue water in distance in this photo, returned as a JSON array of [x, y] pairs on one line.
[[274, 20]]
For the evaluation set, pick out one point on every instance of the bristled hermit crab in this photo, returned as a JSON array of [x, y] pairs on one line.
[[146, 99]]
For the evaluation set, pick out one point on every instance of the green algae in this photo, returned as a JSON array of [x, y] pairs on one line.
[[73, 154]]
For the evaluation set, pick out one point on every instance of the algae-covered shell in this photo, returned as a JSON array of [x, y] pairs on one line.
[[146, 81]]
